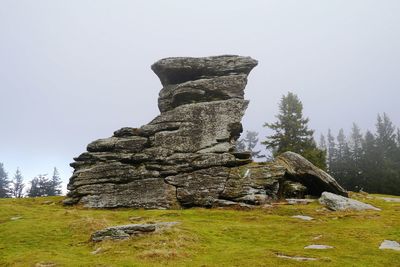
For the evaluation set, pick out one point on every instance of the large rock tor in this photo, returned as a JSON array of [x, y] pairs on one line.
[[186, 156]]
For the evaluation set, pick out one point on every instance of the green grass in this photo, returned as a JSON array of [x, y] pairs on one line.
[[50, 233]]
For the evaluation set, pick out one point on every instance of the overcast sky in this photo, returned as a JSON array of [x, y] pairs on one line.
[[75, 71]]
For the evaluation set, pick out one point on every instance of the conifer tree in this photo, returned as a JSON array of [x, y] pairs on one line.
[[54, 188], [385, 136], [4, 183], [331, 152], [356, 154], [18, 184], [342, 160], [240, 145], [322, 143], [370, 164], [39, 186], [291, 132], [251, 141]]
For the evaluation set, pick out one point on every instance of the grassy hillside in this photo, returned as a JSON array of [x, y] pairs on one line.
[[41, 230]]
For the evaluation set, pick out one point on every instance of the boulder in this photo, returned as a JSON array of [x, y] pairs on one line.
[[390, 244], [318, 247], [127, 231], [337, 203], [316, 180]]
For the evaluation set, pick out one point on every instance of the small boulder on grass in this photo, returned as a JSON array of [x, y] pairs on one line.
[[389, 244], [122, 232], [338, 203], [303, 217], [318, 247]]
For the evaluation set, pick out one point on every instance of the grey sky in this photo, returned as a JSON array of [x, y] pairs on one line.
[[75, 71]]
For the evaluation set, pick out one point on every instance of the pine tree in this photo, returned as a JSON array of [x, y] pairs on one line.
[[17, 184], [240, 146], [331, 153], [356, 153], [389, 175], [370, 164], [322, 143], [54, 188], [39, 186], [385, 136], [4, 183], [342, 161], [251, 140], [291, 132]]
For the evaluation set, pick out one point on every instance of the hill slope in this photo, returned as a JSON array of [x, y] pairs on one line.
[[42, 231]]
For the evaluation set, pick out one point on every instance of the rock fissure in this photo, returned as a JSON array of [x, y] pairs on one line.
[[186, 156]]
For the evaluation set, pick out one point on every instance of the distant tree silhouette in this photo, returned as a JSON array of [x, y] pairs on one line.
[[369, 162], [54, 188], [17, 184], [39, 186], [248, 143], [43, 186], [4, 183]]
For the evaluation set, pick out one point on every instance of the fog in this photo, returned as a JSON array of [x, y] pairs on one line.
[[74, 71]]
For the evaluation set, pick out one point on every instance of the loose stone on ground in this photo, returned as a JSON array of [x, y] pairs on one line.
[[296, 258], [303, 217], [318, 247], [390, 199], [389, 244], [122, 232]]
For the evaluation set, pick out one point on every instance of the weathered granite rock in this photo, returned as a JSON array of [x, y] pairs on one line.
[[186, 155], [335, 202], [127, 231], [316, 180], [178, 70]]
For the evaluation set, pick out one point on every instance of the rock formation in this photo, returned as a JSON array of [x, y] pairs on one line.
[[186, 156]]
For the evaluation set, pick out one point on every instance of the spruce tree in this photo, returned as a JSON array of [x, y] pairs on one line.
[[343, 161], [54, 188], [4, 183], [240, 145], [291, 132], [389, 175], [331, 153], [39, 186], [18, 184], [356, 154], [251, 140], [370, 164], [322, 143], [385, 136]]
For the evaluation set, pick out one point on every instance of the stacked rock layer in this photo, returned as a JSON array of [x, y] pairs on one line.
[[186, 156]]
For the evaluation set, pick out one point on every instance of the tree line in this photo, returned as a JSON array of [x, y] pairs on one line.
[[40, 185], [367, 161]]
